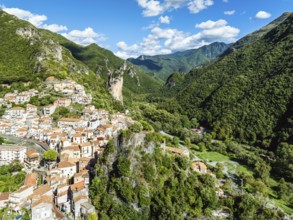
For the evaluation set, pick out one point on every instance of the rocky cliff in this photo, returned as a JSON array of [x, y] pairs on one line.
[[116, 78]]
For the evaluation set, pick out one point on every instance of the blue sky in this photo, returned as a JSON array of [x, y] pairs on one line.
[[134, 27]]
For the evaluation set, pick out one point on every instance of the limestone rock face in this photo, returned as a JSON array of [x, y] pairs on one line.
[[115, 80], [115, 85], [30, 33]]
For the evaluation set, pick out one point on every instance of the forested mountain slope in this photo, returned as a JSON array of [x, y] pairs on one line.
[[247, 92], [26, 55]]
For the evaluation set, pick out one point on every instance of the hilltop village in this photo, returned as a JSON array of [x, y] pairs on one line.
[[64, 184]]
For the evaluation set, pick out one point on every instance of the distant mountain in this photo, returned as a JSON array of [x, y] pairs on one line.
[[162, 66]]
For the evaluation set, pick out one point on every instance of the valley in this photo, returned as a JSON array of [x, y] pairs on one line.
[[205, 133]]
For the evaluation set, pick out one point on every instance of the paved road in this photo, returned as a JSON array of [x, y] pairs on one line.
[[30, 143]]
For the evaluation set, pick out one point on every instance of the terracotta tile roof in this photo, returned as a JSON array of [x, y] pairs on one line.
[[175, 150], [65, 164], [4, 196], [81, 173], [101, 129], [42, 200], [84, 159], [53, 136], [73, 160], [107, 125], [72, 148], [32, 153], [62, 194], [62, 185], [42, 190], [31, 179], [64, 155], [77, 135], [199, 166], [70, 119], [86, 144], [80, 197], [77, 186], [49, 179]]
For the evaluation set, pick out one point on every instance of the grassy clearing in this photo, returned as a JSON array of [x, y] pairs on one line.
[[230, 164], [244, 169], [212, 156]]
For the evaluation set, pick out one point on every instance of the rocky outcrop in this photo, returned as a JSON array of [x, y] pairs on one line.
[[115, 79], [49, 50], [115, 85], [30, 33]]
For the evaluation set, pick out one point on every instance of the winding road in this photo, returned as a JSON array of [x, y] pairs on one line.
[[30, 143]]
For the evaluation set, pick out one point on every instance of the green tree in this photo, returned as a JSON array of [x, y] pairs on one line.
[[92, 216], [50, 155], [283, 189], [136, 127], [123, 166]]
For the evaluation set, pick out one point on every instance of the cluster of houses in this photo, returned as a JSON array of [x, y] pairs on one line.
[[62, 187], [18, 98]]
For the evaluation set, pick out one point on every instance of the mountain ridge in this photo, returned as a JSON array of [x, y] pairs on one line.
[[162, 66]]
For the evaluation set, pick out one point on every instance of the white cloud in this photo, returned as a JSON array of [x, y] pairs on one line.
[[165, 19], [85, 37], [155, 7], [211, 24], [165, 41], [151, 7], [34, 19], [225, 1], [262, 15], [195, 6], [55, 27], [229, 12]]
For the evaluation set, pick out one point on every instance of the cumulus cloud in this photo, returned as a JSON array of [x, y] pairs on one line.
[[195, 6], [262, 15], [84, 37], [165, 19], [167, 40], [55, 27], [155, 8], [229, 12], [34, 19], [151, 7], [211, 24]]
